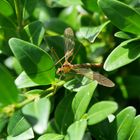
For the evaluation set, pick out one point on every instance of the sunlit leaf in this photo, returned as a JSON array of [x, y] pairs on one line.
[[135, 135], [125, 53], [28, 134], [100, 111], [37, 63], [17, 124], [82, 99], [121, 15], [76, 130], [123, 123], [51, 136], [124, 35], [37, 113], [91, 33], [24, 81]]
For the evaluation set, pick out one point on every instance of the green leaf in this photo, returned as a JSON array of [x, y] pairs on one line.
[[70, 13], [82, 99], [5, 8], [8, 90], [28, 134], [55, 25], [100, 111], [76, 130], [91, 5], [122, 125], [63, 3], [124, 35], [3, 122], [121, 15], [17, 124], [35, 32], [24, 81], [91, 33], [77, 83], [37, 63], [37, 113], [125, 53], [135, 135], [63, 114], [12, 63], [52, 128], [51, 136]]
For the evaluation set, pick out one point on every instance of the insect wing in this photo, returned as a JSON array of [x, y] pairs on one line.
[[102, 80], [69, 42]]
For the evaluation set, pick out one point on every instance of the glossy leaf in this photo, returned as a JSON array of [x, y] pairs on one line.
[[28, 134], [35, 32], [24, 81], [91, 33], [37, 113], [124, 35], [123, 124], [63, 114], [5, 8], [135, 135], [82, 99], [7, 95], [17, 124], [37, 63], [76, 130], [100, 111], [121, 15], [51, 136], [125, 53]]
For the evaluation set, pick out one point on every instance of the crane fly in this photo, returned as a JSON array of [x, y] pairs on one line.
[[82, 69]]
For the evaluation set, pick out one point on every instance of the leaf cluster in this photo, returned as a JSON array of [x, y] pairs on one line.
[[36, 103]]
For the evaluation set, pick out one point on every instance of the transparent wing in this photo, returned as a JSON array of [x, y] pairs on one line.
[[102, 80], [69, 42]]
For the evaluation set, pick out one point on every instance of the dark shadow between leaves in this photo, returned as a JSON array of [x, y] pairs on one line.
[[133, 49], [32, 120]]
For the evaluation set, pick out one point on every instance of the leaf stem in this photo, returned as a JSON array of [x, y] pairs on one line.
[[18, 10]]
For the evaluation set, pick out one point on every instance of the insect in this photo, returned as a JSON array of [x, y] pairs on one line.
[[82, 69]]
